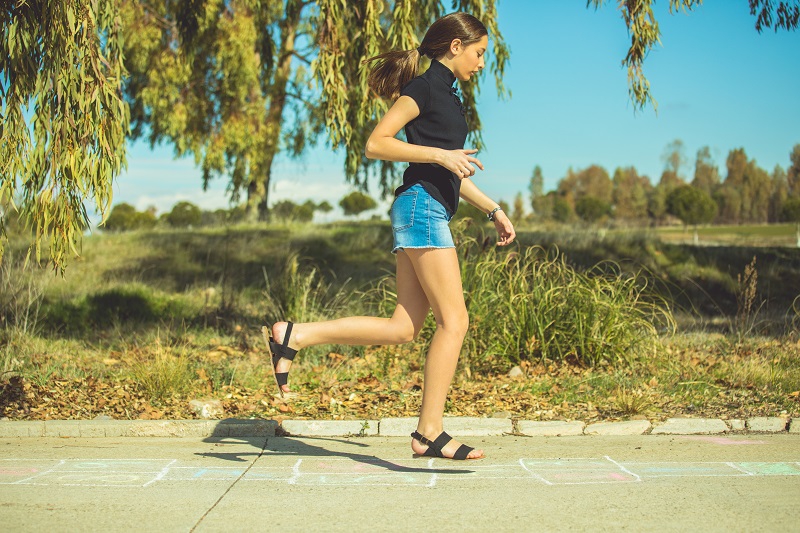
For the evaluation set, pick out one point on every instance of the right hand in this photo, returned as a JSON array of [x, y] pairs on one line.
[[460, 162]]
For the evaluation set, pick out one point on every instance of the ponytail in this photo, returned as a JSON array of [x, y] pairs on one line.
[[393, 71]]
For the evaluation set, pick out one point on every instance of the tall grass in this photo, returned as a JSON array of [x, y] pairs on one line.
[[531, 304]]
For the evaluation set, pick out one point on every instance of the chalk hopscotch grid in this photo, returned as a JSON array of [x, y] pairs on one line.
[[344, 471]]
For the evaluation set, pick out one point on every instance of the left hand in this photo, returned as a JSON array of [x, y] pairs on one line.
[[505, 229]]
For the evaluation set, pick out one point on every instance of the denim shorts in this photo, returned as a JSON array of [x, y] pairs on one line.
[[419, 221]]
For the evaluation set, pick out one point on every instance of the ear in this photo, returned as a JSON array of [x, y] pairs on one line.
[[456, 46]]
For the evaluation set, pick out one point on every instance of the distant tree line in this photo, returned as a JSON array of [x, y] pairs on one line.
[[125, 217], [747, 194]]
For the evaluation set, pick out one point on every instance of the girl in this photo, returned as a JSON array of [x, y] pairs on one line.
[[428, 275]]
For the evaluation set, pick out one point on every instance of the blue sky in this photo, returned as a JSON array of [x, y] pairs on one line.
[[717, 81]]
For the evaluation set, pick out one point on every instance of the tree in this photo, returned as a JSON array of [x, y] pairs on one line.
[[793, 174], [562, 209], [62, 60], [692, 206], [324, 206], [541, 205], [286, 211], [629, 194], [706, 173], [233, 82], [591, 209], [184, 215], [674, 158], [124, 217], [729, 202], [752, 186], [591, 181], [224, 81], [779, 194], [644, 33], [356, 203], [519, 207], [791, 213]]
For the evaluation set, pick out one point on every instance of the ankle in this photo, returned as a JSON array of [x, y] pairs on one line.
[[429, 431]]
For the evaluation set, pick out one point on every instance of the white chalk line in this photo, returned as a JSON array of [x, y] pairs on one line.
[[563, 468]]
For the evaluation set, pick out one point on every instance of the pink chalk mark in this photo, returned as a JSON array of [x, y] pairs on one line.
[[724, 441], [18, 472]]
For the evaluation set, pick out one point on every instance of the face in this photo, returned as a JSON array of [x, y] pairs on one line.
[[468, 59]]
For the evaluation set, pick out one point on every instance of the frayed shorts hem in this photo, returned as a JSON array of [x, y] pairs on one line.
[[398, 248]]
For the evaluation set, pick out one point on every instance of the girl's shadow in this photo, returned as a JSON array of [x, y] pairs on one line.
[[300, 447]]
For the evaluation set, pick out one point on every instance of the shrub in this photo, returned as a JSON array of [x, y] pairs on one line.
[[532, 304], [184, 215], [356, 203]]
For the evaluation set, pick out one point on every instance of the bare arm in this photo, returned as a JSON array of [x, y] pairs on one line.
[[472, 194], [382, 143]]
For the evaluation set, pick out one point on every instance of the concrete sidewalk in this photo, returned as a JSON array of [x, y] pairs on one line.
[[386, 427], [602, 483]]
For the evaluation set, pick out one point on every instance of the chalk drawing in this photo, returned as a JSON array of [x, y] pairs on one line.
[[341, 471], [725, 441]]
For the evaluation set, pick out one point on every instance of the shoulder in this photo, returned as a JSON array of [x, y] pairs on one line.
[[419, 90]]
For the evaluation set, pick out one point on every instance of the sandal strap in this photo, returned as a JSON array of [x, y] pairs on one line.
[[462, 452], [282, 350], [420, 437], [282, 378], [439, 443], [287, 335]]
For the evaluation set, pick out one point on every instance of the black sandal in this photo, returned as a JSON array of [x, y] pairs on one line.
[[280, 351], [435, 447]]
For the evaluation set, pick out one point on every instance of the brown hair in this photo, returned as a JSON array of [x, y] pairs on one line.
[[396, 68]]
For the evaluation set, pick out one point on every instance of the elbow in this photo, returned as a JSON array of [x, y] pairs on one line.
[[369, 149]]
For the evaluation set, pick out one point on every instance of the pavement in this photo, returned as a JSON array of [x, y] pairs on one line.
[[726, 481]]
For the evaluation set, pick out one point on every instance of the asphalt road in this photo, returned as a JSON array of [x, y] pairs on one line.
[[635, 483]]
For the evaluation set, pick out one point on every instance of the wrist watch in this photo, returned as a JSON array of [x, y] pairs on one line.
[[490, 216]]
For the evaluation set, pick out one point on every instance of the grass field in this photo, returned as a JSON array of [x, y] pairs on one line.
[[145, 321], [745, 235]]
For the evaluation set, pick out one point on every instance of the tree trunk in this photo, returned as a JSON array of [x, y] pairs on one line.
[[258, 188]]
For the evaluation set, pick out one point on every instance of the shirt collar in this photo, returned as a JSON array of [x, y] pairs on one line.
[[442, 72]]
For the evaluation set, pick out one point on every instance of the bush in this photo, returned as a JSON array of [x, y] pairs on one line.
[[184, 215], [356, 203], [532, 304], [124, 217]]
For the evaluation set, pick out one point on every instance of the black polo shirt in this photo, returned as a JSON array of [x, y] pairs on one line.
[[440, 124]]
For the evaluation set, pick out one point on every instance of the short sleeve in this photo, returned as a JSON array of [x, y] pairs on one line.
[[419, 90]]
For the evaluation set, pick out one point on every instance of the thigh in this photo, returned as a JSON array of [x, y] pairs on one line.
[[412, 303], [439, 276]]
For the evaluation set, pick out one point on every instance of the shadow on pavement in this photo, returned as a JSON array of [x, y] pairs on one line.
[[295, 446]]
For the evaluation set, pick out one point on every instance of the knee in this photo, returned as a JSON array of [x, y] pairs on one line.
[[403, 333], [457, 323]]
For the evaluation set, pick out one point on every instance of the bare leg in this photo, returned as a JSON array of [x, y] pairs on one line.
[[439, 275], [403, 326]]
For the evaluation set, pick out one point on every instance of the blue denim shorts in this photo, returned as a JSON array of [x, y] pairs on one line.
[[419, 221]]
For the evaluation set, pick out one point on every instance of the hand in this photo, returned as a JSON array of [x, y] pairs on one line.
[[504, 229], [460, 162]]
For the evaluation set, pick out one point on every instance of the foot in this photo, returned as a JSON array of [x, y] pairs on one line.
[[448, 450], [278, 334]]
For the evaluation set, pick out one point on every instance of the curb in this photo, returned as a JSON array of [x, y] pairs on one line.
[[388, 427]]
